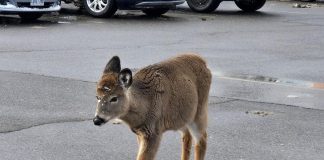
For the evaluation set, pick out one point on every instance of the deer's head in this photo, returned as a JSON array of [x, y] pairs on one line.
[[111, 92]]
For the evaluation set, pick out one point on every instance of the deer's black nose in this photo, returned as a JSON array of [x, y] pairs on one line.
[[98, 121]]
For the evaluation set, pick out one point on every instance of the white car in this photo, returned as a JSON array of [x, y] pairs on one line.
[[107, 8], [29, 9]]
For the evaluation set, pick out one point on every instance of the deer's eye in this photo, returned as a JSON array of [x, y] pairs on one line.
[[114, 99], [98, 98]]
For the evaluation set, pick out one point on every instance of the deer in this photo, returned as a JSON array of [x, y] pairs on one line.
[[169, 95]]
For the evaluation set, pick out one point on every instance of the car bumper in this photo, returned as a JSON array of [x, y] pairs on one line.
[[21, 6], [159, 4]]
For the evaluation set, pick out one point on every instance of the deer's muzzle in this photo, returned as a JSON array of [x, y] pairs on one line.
[[98, 121]]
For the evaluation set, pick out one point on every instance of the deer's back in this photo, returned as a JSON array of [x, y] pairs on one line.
[[174, 89]]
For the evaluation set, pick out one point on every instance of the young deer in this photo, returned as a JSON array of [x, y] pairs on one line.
[[170, 95]]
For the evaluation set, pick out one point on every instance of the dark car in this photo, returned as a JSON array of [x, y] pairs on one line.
[[107, 8], [29, 9], [206, 6]]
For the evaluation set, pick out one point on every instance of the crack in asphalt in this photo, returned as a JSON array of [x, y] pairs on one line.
[[83, 120], [42, 124]]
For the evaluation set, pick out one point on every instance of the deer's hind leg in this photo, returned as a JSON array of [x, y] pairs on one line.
[[186, 144], [200, 138], [198, 131], [200, 147]]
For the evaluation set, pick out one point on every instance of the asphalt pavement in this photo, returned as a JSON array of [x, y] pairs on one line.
[[50, 118], [265, 102]]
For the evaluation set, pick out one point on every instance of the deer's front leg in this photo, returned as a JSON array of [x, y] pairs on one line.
[[148, 146], [186, 144]]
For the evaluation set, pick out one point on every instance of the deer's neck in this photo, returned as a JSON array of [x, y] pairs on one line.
[[137, 109]]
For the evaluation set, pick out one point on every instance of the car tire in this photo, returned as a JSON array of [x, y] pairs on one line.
[[100, 8], [155, 12], [29, 16], [203, 6], [250, 5]]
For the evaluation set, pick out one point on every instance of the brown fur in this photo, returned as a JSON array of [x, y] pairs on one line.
[[170, 95], [109, 80]]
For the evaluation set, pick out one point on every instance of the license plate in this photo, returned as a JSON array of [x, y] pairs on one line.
[[37, 3]]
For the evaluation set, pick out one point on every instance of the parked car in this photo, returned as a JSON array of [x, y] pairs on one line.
[[206, 6], [107, 8], [29, 9]]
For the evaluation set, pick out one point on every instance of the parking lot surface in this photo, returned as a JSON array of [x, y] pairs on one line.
[[265, 102]]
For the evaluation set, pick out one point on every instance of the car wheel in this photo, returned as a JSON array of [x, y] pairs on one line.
[[100, 8], [203, 6], [155, 12], [29, 16], [250, 5]]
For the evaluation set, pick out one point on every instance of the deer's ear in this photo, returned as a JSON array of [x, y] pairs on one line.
[[125, 77], [113, 65]]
